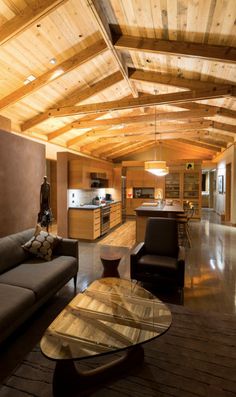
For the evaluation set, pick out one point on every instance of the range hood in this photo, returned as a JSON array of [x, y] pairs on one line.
[[98, 175]]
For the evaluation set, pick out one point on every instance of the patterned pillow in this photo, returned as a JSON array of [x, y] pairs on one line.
[[41, 244]]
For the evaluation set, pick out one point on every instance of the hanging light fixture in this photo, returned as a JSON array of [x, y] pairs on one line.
[[156, 167]]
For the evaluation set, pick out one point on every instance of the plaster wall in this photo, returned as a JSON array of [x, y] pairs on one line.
[[22, 167]]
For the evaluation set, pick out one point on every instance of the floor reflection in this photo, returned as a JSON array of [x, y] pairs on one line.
[[210, 282], [211, 266]]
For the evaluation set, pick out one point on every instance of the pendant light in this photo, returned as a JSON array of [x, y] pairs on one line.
[[156, 167]]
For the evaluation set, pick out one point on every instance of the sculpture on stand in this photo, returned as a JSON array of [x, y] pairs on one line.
[[45, 214]]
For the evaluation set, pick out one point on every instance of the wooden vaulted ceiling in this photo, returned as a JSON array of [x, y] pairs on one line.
[[127, 73]]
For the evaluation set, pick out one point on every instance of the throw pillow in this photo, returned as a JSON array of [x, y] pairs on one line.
[[41, 244]]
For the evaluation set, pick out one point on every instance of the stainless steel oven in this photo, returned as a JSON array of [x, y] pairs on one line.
[[105, 219]]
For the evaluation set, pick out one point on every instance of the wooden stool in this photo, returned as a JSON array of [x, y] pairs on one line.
[[183, 224], [110, 258]]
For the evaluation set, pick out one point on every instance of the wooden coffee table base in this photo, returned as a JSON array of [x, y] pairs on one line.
[[69, 381]]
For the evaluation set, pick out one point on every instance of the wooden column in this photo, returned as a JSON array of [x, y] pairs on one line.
[[62, 186]]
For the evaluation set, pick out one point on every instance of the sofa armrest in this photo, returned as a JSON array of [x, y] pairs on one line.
[[138, 250], [135, 255], [67, 247]]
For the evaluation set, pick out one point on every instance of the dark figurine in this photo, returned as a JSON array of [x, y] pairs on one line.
[[45, 214]]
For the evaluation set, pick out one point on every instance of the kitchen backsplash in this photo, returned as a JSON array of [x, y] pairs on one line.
[[77, 197]]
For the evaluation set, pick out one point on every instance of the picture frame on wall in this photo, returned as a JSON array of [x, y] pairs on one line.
[[220, 184]]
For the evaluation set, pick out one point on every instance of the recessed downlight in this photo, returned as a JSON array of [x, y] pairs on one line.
[[53, 61], [29, 79]]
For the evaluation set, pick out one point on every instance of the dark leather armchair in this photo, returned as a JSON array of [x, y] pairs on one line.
[[159, 259]]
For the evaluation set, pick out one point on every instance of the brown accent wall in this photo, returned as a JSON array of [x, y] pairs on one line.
[[22, 167]]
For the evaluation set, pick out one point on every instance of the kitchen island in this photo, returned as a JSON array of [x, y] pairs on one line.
[[146, 211]]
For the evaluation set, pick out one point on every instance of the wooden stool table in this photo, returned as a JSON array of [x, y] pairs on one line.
[[110, 258]]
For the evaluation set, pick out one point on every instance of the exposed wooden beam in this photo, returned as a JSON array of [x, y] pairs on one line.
[[200, 144], [168, 79], [73, 98], [145, 118], [99, 18], [53, 74], [162, 127], [227, 113], [220, 110], [148, 100], [219, 137], [224, 127], [27, 17], [210, 52]]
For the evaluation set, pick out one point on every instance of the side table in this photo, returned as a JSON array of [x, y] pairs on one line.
[[110, 258]]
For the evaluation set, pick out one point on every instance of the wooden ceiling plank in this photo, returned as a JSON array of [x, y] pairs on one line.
[[128, 149], [148, 100], [103, 26], [75, 97], [122, 147], [28, 16], [216, 53], [168, 79], [65, 67]]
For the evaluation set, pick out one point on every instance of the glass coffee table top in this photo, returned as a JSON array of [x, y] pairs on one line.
[[111, 314]]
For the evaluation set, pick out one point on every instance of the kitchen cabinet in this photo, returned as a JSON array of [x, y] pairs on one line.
[[84, 224], [115, 214], [138, 177], [132, 203], [79, 173]]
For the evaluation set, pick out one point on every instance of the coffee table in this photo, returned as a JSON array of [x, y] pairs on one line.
[[111, 315]]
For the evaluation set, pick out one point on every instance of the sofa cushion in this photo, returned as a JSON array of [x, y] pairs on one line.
[[40, 276], [11, 252], [14, 302], [41, 245], [163, 265]]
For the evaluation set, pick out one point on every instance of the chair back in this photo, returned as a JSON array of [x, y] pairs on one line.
[[161, 237]]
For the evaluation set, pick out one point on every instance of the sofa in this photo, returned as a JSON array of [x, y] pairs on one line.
[[27, 281]]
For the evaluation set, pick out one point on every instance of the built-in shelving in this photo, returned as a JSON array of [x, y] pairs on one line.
[[172, 185]]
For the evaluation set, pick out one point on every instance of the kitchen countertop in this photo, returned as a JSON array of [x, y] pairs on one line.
[[93, 206], [158, 208]]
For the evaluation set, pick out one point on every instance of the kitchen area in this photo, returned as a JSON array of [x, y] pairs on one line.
[[94, 211], [98, 197]]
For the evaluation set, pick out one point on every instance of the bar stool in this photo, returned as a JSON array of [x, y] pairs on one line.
[[183, 224]]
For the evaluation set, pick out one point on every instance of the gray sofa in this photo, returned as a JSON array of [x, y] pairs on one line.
[[27, 282]]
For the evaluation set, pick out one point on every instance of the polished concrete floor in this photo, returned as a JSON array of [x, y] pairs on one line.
[[210, 275], [210, 283]]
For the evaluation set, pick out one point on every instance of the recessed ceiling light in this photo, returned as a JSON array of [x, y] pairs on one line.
[[53, 61], [30, 78]]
